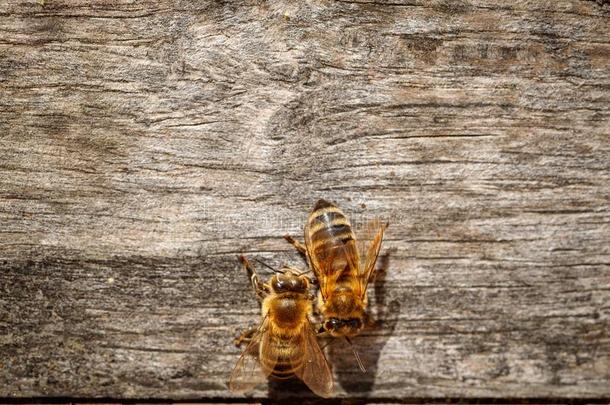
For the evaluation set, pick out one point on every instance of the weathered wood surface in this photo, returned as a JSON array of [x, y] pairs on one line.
[[143, 144]]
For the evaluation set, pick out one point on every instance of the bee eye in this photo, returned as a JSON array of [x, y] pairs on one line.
[[332, 323], [278, 284], [298, 285]]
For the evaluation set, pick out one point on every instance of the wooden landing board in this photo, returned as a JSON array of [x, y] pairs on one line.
[[143, 145]]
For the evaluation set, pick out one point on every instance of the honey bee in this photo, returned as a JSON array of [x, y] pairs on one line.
[[284, 344], [334, 257]]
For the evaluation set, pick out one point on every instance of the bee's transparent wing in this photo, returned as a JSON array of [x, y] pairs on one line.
[[369, 244], [315, 371], [268, 352], [248, 373]]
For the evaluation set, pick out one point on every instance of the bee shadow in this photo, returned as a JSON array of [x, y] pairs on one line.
[[280, 391], [369, 344]]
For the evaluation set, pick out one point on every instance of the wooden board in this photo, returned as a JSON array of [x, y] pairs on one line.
[[143, 145]]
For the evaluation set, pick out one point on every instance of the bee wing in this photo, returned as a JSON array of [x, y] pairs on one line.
[[270, 355], [373, 232], [247, 372], [314, 262], [329, 266], [315, 371]]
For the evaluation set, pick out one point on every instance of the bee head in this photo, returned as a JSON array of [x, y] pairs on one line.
[[343, 327], [288, 282]]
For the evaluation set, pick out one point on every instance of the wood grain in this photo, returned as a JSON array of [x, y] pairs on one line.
[[143, 145]]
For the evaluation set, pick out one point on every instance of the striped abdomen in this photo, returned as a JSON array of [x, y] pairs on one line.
[[330, 236]]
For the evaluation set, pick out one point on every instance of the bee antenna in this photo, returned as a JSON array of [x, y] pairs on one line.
[[302, 273], [356, 355], [269, 267]]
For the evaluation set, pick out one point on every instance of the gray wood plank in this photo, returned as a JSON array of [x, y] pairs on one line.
[[143, 145]]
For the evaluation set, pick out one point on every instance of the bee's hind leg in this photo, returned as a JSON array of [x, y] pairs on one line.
[[245, 337]]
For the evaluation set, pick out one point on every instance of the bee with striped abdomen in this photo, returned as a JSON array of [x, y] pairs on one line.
[[334, 257], [284, 345]]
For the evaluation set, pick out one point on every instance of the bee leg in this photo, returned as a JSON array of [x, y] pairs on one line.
[[245, 337], [297, 245], [260, 289], [326, 338]]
